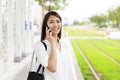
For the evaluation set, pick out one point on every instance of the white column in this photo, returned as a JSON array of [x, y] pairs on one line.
[[10, 31], [0, 20], [28, 33], [2, 52], [18, 26], [23, 16], [1, 68], [30, 26]]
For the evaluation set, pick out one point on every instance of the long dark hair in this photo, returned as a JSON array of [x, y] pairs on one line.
[[44, 24]]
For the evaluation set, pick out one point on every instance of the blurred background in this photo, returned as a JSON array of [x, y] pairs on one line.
[[92, 26]]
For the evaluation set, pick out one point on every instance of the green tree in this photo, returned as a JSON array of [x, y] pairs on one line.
[[100, 20], [114, 16], [76, 22], [53, 4]]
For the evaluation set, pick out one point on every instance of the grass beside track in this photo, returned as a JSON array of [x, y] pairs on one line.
[[104, 67]]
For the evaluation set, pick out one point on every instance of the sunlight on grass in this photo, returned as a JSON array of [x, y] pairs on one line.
[[83, 32]]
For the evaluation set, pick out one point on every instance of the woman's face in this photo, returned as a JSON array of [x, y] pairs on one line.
[[54, 24]]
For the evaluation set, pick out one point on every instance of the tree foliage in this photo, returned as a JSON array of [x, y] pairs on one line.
[[111, 18], [114, 16], [53, 4], [100, 20]]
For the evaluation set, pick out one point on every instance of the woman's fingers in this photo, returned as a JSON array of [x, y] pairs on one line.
[[49, 36], [47, 31], [50, 33]]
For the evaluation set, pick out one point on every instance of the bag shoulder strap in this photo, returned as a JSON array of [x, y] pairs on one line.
[[41, 64], [45, 45], [36, 59]]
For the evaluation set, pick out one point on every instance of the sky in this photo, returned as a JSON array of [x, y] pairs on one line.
[[83, 9]]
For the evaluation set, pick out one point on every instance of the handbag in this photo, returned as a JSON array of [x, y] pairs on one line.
[[35, 75]]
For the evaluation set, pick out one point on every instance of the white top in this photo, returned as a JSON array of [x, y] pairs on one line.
[[64, 71]]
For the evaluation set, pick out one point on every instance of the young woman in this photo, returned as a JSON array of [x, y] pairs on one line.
[[55, 59]]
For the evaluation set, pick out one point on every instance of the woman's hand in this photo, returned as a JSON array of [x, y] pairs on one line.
[[52, 61], [49, 36]]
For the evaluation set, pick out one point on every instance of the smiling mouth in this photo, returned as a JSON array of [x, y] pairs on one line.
[[56, 29]]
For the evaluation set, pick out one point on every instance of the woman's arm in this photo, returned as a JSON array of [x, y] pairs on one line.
[[52, 60]]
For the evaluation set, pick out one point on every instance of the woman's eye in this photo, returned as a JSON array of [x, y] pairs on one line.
[[51, 22], [58, 21]]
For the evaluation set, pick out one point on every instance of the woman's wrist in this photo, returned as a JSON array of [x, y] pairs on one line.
[[52, 43]]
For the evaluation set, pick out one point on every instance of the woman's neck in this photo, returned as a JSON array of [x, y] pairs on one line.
[[56, 38], [58, 46]]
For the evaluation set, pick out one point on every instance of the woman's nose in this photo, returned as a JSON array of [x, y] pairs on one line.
[[55, 24]]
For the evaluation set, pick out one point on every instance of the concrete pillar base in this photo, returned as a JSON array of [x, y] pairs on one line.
[[17, 59], [24, 54]]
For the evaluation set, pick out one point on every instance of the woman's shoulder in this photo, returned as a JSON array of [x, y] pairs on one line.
[[37, 44], [64, 42], [40, 44]]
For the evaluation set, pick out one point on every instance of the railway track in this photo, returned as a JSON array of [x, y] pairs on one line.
[[87, 61]]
